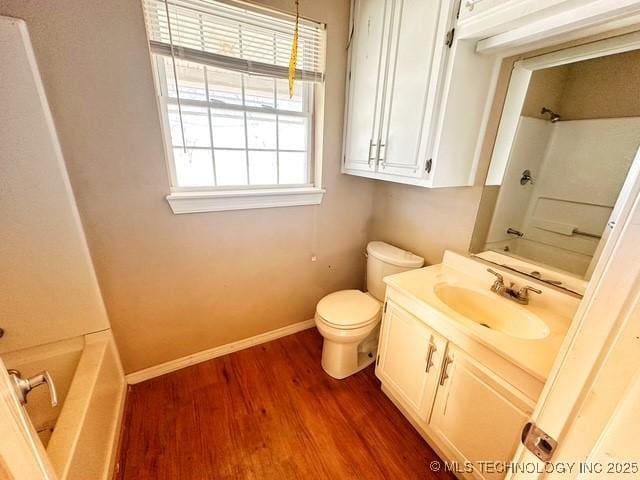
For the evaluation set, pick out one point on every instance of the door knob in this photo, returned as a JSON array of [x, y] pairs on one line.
[[24, 385]]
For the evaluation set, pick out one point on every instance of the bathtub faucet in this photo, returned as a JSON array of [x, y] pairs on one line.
[[24, 385]]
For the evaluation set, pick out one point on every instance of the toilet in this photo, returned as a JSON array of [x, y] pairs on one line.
[[349, 320]]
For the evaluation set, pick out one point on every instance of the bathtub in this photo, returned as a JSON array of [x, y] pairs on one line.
[[80, 434]]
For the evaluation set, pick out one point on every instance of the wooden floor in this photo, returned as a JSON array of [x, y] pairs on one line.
[[269, 412]]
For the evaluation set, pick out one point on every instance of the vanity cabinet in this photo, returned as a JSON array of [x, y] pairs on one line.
[[466, 411], [476, 414], [410, 359]]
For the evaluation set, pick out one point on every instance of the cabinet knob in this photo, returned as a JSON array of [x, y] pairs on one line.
[[470, 4]]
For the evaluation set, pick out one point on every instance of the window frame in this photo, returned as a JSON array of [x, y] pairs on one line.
[[165, 100], [197, 199]]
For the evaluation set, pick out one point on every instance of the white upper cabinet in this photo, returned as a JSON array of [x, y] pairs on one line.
[[408, 99], [509, 27], [488, 17], [400, 78], [368, 48]]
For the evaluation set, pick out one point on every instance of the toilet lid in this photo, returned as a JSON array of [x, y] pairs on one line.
[[348, 308]]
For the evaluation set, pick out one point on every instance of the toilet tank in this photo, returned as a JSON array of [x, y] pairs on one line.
[[384, 259]]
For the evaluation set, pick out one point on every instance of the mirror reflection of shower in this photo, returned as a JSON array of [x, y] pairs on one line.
[[577, 135]]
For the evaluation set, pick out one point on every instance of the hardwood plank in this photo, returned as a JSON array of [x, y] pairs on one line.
[[268, 412]]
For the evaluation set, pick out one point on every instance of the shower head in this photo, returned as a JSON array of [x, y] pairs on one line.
[[553, 116]]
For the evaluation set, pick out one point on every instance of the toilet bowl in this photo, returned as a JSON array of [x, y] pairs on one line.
[[349, 320], [346, 319]]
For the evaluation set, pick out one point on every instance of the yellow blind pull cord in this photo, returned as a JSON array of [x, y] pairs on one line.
[[293, 60]]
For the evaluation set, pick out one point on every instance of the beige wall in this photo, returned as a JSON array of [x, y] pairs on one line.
[[178, 284], [605, 87]]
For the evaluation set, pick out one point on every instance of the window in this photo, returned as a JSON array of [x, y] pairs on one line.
[[235, 137]]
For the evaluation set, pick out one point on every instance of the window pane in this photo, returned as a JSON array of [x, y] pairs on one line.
[[193, 168], [263, 168], [293, 167], [196, 126], [228, 128], [224, 86], [261, 130], [292, 132], [296, 103], [258, 92], [231, 167], [190, 79]]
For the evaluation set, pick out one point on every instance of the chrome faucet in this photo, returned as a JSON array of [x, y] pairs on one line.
[[519, 295], [24, 385]]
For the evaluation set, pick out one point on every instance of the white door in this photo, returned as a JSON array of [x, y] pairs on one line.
[[476, 414], [368, 54], [417, 44], [410, 358], [21, 452]]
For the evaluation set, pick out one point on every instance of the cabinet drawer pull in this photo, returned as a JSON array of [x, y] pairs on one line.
[[430, 352], [445, 366]]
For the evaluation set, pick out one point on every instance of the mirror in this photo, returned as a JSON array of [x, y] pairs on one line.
[[567, 142]]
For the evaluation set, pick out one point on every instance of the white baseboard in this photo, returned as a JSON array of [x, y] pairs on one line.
[[203, 356]]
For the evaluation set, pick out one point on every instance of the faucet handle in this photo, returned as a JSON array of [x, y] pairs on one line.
[[499, 277], [526, 289], [523, 293]]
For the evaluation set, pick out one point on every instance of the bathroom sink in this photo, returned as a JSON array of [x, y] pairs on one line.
[[492, 312]]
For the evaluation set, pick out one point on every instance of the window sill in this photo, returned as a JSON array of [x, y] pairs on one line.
[[208, 201]]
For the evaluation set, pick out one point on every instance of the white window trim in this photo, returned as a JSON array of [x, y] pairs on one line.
[[243, 199]]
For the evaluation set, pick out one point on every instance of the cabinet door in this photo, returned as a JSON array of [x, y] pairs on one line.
[[367, 53], [410, 358], [476, 414], [465, 101], [417, 44]]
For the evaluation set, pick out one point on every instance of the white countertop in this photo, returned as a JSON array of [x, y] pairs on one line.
[[534, 356]]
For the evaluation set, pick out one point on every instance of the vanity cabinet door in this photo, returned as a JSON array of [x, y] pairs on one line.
[[368, 54], [476, 414], [410, 358]]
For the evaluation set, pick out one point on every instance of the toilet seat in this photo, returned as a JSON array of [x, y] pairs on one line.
[[348, 309]]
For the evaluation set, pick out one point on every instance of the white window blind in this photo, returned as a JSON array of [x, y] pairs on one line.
[[235, 36]]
